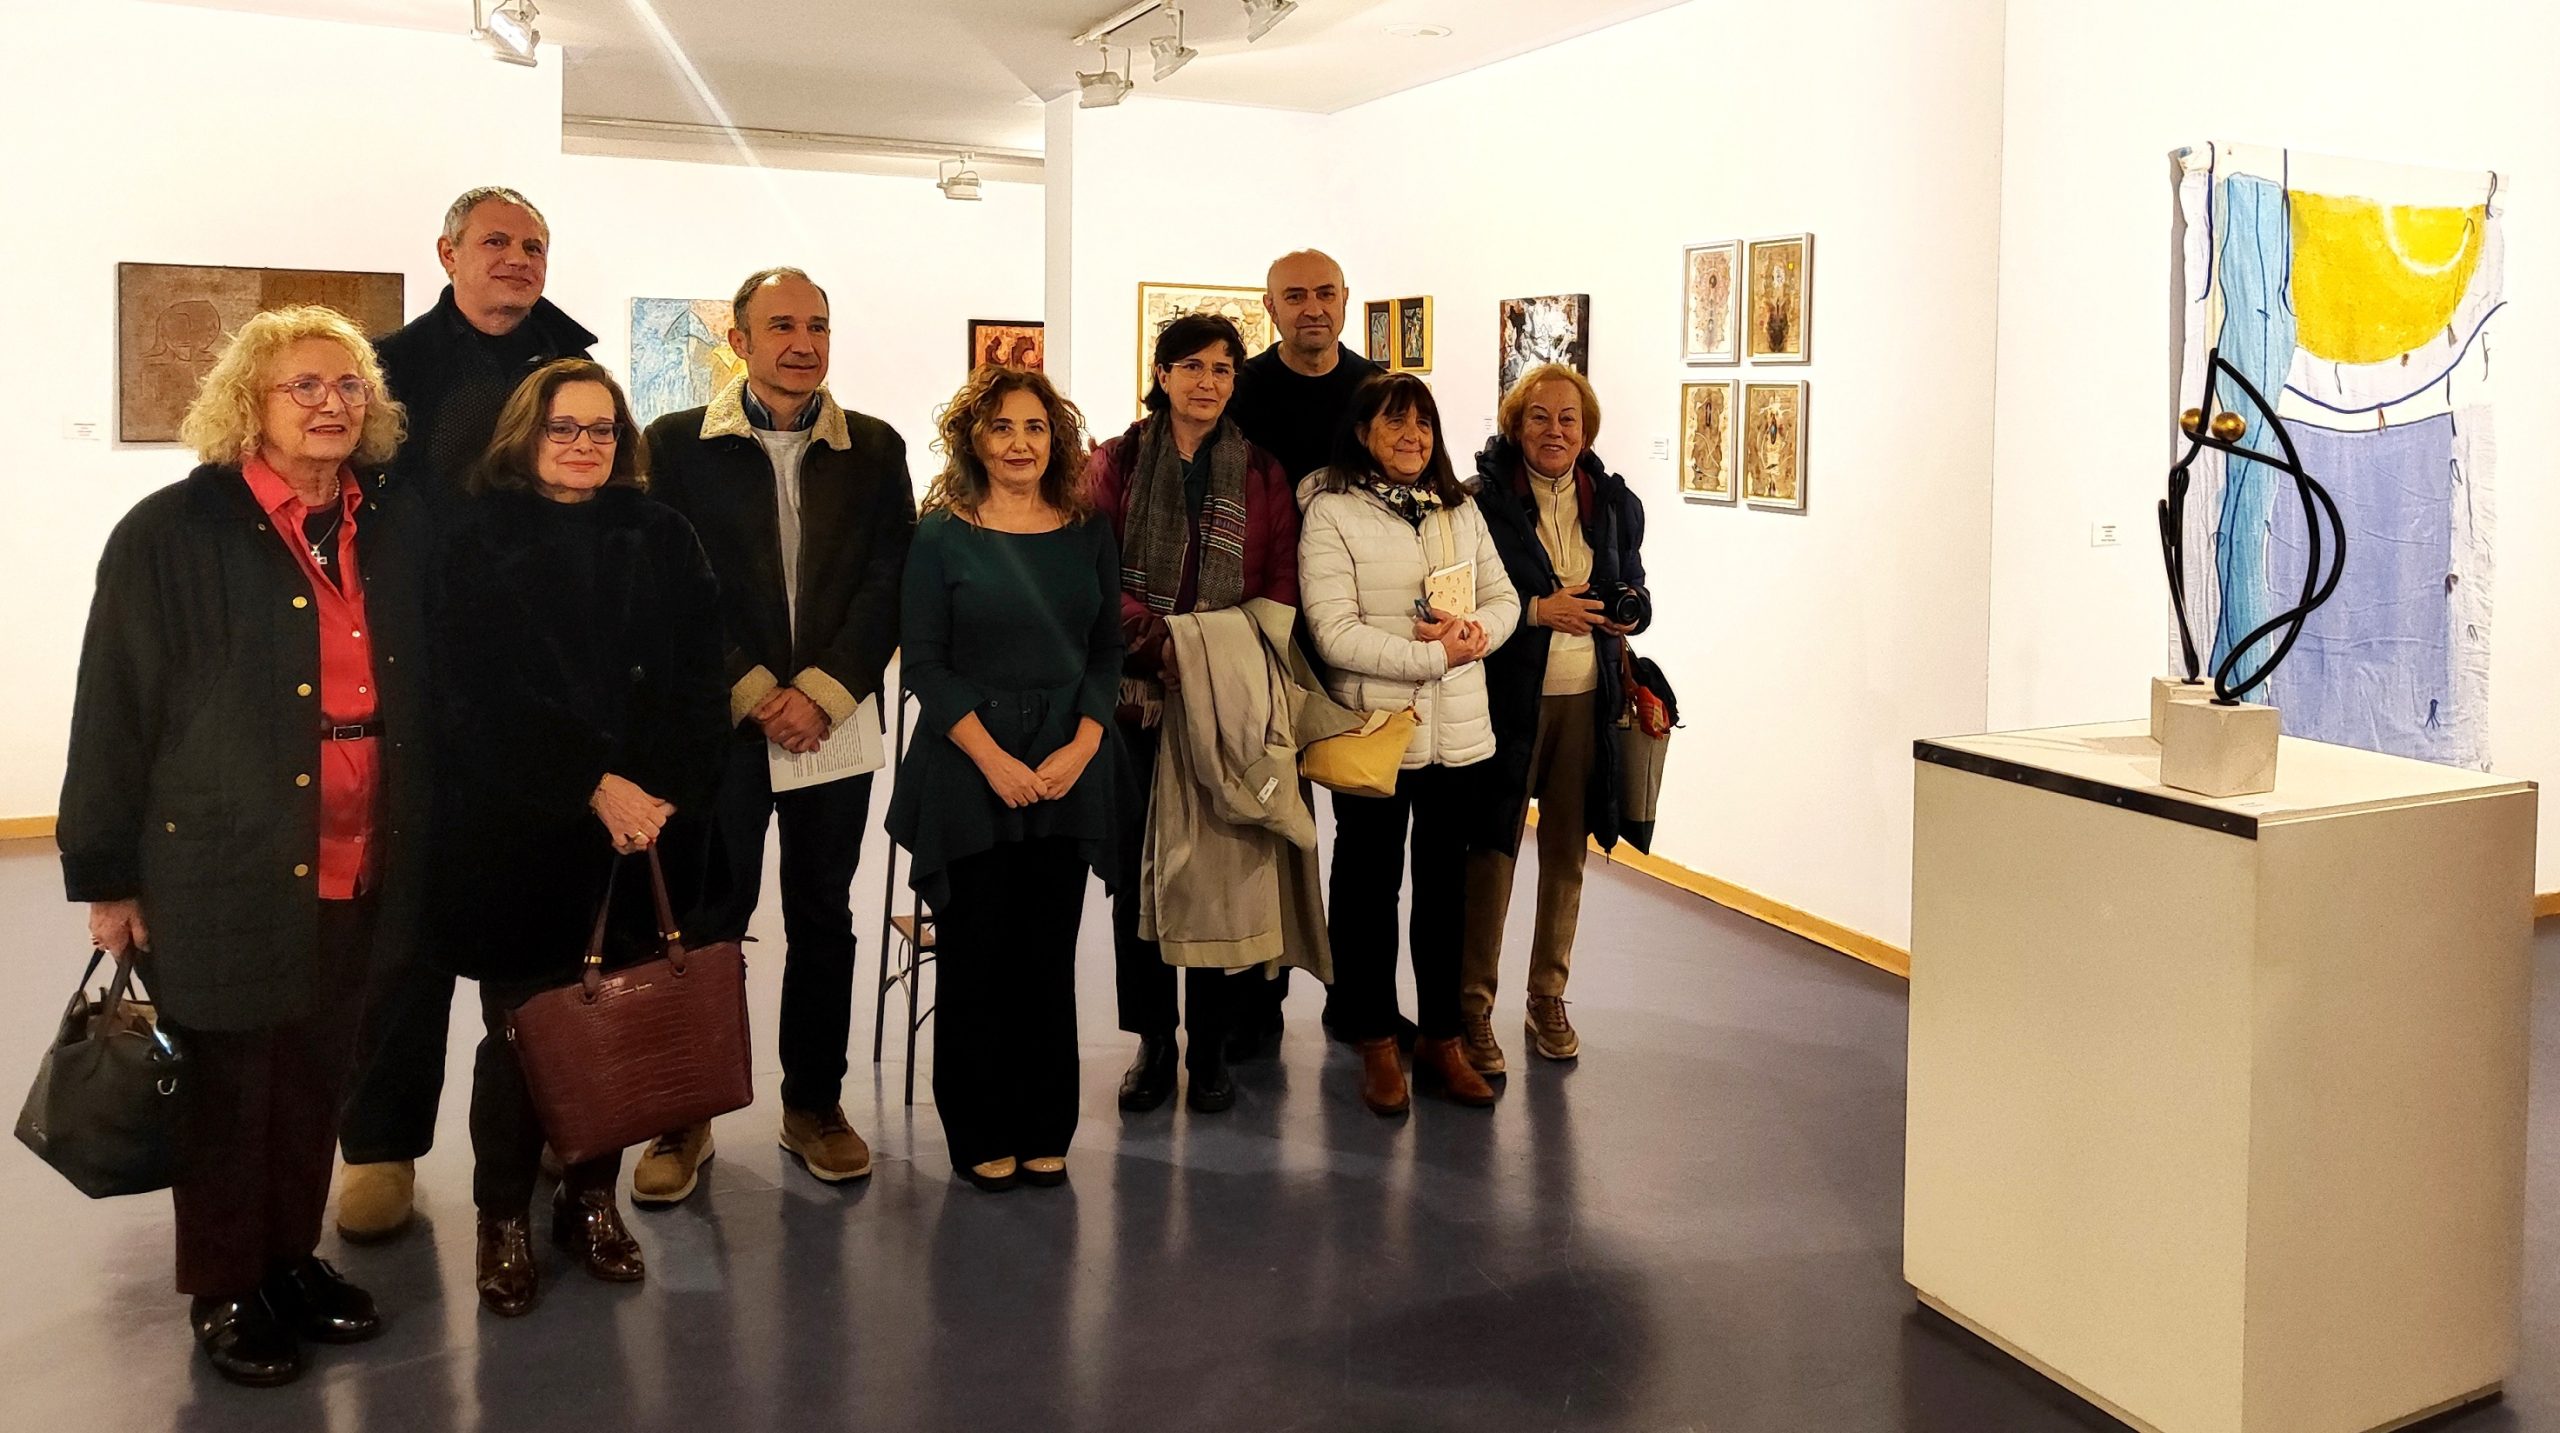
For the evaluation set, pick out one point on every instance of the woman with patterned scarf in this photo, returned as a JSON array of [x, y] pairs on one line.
[[1206, 521]]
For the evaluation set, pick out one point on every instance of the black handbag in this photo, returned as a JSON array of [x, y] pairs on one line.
[[105, 1107]]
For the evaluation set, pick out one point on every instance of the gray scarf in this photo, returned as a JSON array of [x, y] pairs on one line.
[[1159, 521]]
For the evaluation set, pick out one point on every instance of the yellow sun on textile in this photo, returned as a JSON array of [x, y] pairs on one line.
[[2372, 281]]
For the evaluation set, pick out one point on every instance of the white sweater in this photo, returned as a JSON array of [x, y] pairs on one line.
[[1360, 567]]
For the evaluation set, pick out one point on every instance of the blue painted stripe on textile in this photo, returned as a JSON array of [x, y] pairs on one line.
[[2257, 338]]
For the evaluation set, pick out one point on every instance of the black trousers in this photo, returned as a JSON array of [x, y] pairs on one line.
[[822, 830], [506, 1134], [262, 1115], [1145, 983], [1369, 841], [1004, 1002], [399, 1078]]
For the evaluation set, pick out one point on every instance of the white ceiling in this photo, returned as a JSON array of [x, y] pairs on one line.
[[963, 73]]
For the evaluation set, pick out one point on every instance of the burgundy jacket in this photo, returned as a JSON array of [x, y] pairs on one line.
[[1270, 542]]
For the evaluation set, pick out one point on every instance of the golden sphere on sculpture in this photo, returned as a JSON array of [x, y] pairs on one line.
[[2230, 427], [2193, 422]]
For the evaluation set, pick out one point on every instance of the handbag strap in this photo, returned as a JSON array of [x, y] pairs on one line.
[[591, 976]]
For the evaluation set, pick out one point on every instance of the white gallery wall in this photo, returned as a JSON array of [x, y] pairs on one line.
[[2096, 98], [1808, 649], [202, 136]]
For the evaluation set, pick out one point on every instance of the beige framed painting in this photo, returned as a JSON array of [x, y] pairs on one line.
[[1709, 441], [173, 321], [1161, 304], [1379, 324], [1413, 336], [1773, 445], [1777, 310], [1711, 303], [1008, 343]]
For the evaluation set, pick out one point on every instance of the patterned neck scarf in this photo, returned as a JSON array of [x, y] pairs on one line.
[[1411, 501]]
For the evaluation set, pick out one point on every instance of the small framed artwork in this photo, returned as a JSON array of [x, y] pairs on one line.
[[1381, 328], [1007, 343], [1552, 329], [1773, 442], [1160, 304], [1711, 302], [1777, 310], [1413, 336], [1709, 441]]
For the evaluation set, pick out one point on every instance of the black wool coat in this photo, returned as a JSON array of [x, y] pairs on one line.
[[1516, 672], [190, 727], [857, 518], [452, 380], [570, 642]]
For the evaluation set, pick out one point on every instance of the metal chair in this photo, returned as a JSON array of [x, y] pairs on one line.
[[906, 941]]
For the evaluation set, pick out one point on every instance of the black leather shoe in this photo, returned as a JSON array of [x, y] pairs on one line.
[[318, 1305], [1213, 1089], [245, 1341], [1150, 1080]]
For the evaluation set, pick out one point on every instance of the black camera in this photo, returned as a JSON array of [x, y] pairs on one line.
[[1621, 604]]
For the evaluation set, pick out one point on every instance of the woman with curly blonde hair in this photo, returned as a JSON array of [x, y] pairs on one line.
[[242, 806], [1010, 629]]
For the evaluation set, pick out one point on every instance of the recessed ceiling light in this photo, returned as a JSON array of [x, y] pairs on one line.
[[1419, 32]]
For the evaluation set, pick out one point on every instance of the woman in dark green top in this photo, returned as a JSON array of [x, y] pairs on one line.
[[1010, 633]]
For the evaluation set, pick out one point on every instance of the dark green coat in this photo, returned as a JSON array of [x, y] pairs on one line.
[[187, 732]]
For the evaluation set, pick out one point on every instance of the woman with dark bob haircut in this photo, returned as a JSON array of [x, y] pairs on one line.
[[1405, 594], [583, 712], [1010, 629]]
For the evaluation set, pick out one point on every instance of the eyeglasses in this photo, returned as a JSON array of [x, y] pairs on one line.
[[1194, 370], [312, 392], [564, 432]]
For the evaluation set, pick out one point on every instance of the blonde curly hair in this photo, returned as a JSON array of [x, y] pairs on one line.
[[963, 482], [226, 421]]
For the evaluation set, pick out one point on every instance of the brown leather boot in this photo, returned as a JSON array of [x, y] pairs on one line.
[[509, 1282], [1382, 1086], [1444, 1063], [588, 1223]]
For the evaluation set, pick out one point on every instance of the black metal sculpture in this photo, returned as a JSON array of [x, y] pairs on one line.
[[2221, 428]]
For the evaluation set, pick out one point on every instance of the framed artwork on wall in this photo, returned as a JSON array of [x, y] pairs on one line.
[[1777, 312], [1709, 441], [680, 355], [1711, 302], [1007, 343], [1413, 336], [1553, 329], [1773, 443], [1161, 304], [1379, 317], [173, 320]]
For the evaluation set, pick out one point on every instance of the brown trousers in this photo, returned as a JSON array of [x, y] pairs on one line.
[[1559, 777], [262, 1123]]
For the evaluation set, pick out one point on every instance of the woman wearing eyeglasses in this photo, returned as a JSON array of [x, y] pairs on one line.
[[1206, 521], [581, 716], [242, 803]]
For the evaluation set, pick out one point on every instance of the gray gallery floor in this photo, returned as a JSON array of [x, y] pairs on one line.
[[1698, 1228]]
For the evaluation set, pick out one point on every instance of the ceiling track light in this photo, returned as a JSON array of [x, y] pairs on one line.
[[1169, 51], [507, 29], [1105, 87], [1261, 15], [959, 179]]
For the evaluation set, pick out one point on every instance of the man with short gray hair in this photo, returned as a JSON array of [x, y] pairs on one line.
[[453, 367]]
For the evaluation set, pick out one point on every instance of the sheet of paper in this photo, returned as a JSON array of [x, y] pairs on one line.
[[850, 750], [1453, 589]]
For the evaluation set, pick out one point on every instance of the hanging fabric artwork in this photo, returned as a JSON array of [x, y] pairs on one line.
[[2359, 298]]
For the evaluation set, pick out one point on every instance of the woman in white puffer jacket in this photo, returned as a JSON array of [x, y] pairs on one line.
[[1404, 594]]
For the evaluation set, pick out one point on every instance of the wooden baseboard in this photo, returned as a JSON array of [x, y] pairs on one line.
[[26, 828], [1856, 944], [2546, 905]]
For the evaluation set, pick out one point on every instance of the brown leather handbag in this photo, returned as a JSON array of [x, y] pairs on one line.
[[619, 1059]]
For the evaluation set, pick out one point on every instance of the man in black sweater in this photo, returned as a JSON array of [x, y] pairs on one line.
[[805, 511], [1289, 402], [453, 367]]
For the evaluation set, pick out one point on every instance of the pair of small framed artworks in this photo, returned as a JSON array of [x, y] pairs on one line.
[[1743, 440], [1399, 334]]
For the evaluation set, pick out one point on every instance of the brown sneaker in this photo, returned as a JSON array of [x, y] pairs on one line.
[[1382, 1085], [1483, 1051], [826, 1144], [671, 1167], [1550, 1033], [375, 1201]]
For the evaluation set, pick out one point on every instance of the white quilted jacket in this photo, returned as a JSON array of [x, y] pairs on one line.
[[1360, 567]]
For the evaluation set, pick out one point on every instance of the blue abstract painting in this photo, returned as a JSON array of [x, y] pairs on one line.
[[680, 355]]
